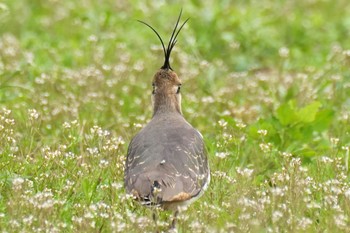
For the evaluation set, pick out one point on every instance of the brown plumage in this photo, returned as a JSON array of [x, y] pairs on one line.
[[166, 162]]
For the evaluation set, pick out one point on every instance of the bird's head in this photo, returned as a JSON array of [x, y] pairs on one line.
[[166, 84]]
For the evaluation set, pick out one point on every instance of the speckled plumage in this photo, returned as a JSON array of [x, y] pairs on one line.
[[170, 151]]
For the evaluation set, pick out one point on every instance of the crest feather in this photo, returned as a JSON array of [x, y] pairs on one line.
[[172, 41]]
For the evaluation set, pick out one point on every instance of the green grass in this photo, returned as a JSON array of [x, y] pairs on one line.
[[266, 82]]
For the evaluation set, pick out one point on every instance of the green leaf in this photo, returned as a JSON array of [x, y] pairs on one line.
[[271, 125], [286, 113], [308, 113], [301, 149], [323, 119]]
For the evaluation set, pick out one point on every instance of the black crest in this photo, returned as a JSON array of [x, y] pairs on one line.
[[172, 41]]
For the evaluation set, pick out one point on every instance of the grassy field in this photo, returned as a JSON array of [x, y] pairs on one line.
[[266, 82]]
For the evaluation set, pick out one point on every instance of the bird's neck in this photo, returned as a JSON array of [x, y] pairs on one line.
[[166, 103]]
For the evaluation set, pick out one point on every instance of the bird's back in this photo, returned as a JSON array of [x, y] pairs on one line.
[[166, 162]]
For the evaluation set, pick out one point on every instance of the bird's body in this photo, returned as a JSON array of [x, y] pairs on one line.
[[166, 162], [167, 154]]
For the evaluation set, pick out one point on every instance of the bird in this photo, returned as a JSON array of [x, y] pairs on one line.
[[167, 163]]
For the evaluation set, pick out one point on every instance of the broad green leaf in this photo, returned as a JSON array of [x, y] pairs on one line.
[[323, 119], [308, 113], [306, 151], [286, 113], [301, 149]]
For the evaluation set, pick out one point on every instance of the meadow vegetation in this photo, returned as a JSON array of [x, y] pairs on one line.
[[266, 82]]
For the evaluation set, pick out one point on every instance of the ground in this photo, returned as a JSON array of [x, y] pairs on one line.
[[267, 83]]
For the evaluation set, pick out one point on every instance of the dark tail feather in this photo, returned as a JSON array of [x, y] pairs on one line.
[[154, 198]]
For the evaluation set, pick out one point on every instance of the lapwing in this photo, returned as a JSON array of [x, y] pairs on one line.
[[166, 162]]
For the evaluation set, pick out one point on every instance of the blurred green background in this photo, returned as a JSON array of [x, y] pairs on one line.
[[266, 82]]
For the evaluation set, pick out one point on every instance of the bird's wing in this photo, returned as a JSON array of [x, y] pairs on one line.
[[175, 160]]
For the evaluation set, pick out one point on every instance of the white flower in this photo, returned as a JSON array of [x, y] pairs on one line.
[[33, 114], [66, 125], [221, 155], [222, 123], [347, 194], [103, 163], [346, 53], [326, 159], [265, 147], [334, 141], [17, 183], [304, 223], [283, 52], [245, 172], [262, 132], [277, 191], [276, 215], [241, 125]]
